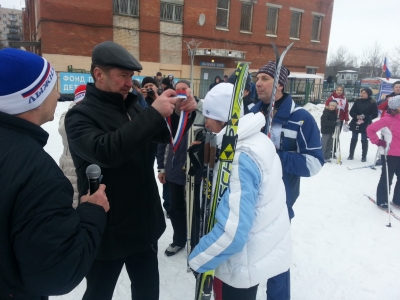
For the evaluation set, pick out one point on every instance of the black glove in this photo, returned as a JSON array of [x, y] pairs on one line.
[[196, 156]]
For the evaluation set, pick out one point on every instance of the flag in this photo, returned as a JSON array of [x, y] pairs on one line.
[[386, 69]]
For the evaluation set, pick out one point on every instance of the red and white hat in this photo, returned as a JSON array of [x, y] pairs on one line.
[[80, 92]]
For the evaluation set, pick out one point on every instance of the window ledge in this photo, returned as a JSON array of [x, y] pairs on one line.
[[315, 41], [125, 15], [271, 35], [221, 28], [171, 21], [245, 31], [296, 39]]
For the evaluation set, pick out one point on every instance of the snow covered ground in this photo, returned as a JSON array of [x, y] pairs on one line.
[[342, 247]]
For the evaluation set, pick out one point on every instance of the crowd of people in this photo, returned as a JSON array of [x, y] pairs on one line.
[[54, 232]]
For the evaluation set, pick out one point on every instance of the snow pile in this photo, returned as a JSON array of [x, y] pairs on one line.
[[315, 110], [342, 247]]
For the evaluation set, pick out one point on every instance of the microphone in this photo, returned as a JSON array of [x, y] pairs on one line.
[[93, 173]]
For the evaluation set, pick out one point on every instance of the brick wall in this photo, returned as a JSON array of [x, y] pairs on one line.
[[73, 27], [149, 30], [257, 44]]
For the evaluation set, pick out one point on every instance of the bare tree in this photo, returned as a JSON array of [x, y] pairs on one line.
[[372, 61], [395, 62], [340, 60]]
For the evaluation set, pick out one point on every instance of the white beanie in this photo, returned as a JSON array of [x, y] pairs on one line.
[[394, 102], [218, 102]]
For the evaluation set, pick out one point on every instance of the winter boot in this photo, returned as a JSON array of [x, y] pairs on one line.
[[353, 145], [172, 249], [364, 150]]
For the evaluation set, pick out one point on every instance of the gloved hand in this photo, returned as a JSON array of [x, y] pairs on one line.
[[362, 117], [381, 143], [338, 123]]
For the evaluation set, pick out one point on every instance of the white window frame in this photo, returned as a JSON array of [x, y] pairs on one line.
[[246, 27], [176, 15], [227, 15], [293, 33], [316, 31], [311, 69], [274, 28], [126, 7]]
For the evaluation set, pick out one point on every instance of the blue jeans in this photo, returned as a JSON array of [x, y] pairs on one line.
[[278, 287]]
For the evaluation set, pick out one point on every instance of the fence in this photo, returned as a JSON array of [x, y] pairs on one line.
[[304, 92]]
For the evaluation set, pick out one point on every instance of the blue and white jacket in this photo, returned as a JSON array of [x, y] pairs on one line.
[[297, 139], [250, 241]]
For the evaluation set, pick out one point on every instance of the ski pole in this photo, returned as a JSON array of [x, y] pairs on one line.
[[387, 189], [376, 158]]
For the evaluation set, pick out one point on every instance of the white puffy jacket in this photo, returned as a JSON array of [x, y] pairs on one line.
[[250, 241], [66, 163]]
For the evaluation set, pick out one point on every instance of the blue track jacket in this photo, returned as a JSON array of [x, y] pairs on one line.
[[298, 145]]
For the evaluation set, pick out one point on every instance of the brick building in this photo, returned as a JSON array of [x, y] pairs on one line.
[[10, 26], [155, 32]]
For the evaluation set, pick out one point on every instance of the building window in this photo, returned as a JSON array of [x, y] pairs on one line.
[[127, 7], [311, 70], [4, 22], [222, 13], [272, 20], [295, 25], [171, 12], [246, 17], [316, 28], [4, 16]]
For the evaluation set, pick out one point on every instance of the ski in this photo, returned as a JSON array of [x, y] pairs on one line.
[[363, 167], [383, 209], [204, 280], [278, 60]]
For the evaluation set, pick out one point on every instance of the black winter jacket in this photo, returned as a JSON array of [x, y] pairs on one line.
[[46, 246], [366, 107], [117, 135], [328, 121]]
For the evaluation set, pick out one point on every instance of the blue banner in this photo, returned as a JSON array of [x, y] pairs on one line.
[[386, 89], [70, 81]]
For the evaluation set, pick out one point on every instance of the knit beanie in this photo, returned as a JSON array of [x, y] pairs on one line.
[[270, 68], [217, 102], [368, 91], [166, 81], [80, 92], [394, 102], [26, 80], [149, 80]]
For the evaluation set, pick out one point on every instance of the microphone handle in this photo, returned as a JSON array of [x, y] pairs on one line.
[[94, 185]]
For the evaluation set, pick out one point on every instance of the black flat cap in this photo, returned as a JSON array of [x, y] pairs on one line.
[[114, 55]]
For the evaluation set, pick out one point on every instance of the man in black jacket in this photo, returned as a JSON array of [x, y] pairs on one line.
[[47, 247], [110, 129]]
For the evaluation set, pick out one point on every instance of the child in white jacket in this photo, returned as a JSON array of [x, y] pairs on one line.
[[250, 241]]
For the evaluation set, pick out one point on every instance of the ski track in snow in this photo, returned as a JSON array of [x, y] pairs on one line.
[[342, 248]]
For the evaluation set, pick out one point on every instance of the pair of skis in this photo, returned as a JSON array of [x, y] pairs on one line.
[[336, 142], [384, 209], [211, 198]]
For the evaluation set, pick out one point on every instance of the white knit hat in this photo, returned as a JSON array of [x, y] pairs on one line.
[[218, 101], [394, 102]]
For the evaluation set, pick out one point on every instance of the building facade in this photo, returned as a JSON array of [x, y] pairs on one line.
[[10, 26], [158, 33]]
